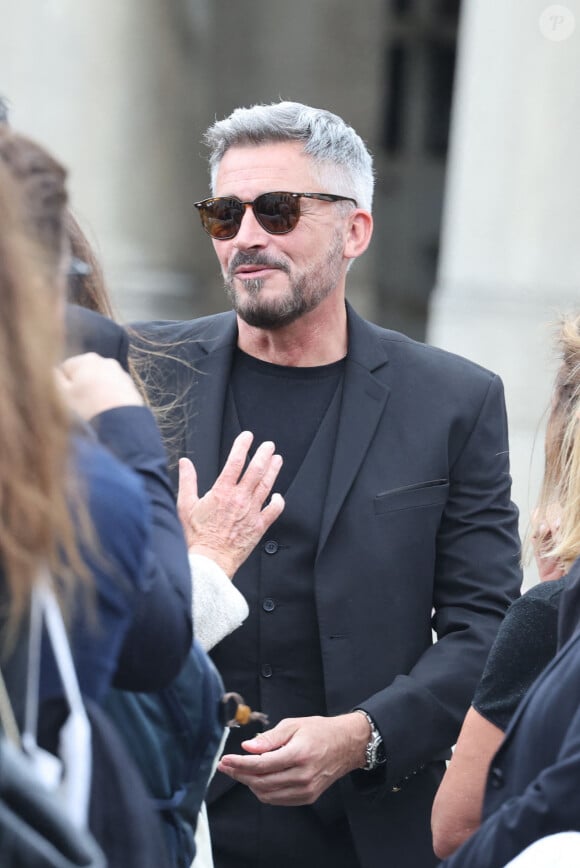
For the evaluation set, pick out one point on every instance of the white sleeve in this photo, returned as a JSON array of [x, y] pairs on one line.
[[218, 606]]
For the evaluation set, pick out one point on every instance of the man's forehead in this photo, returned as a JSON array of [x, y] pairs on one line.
[[265, 163]]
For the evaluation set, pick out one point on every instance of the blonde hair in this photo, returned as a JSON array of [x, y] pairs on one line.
[[36, 490], [561, 482]]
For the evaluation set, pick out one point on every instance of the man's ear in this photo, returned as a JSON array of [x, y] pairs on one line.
[[359, 233]]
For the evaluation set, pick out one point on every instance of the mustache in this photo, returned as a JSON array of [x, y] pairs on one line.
[[242, 258]]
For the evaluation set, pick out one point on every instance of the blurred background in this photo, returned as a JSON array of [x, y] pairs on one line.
[[471, 109]]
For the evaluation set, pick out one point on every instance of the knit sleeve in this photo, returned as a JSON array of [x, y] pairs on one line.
[[218, 606]]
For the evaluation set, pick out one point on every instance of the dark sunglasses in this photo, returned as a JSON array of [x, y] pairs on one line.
[[277, 213]]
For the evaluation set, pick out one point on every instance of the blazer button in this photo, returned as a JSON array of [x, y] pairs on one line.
[[268, 605], [266, 670], [271, 547], [496, 778]]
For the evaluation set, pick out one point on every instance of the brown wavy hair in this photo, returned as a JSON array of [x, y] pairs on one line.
[[87, 289], [37, 494]]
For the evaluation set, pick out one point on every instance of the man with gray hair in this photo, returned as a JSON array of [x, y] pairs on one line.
[[398, 520]]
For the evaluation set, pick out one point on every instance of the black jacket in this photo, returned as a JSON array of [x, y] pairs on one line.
[[417, 532]]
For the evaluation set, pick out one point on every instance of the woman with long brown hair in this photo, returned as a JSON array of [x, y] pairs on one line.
[[36, 524], [65, 500]]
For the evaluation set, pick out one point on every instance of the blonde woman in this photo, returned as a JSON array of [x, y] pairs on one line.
[[527, 639]]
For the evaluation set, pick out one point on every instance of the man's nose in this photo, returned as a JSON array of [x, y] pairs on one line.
[[250, 233]]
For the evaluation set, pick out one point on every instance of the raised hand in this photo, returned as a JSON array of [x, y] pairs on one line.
[[227, 523]]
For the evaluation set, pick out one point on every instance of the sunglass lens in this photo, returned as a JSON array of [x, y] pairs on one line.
[[221, 218], [277, 212]]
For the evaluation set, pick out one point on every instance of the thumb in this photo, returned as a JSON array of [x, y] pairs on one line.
[[187, 491], [272, 739]]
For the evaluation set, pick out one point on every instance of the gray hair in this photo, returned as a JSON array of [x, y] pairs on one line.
[[341, 157]]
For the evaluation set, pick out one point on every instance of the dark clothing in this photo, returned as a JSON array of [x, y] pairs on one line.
[[524, 645], [121, 520], [248, 833], [87, 331], [121, 815], [282, 404], [569, 616], [277, 581], [160, 633], [143, 627], [416, 516], [172, 734], [532, 788]]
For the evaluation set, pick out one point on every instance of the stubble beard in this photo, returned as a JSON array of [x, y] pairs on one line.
[[305, 292]]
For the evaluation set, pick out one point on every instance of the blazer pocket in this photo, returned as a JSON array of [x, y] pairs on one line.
[[416, 496]]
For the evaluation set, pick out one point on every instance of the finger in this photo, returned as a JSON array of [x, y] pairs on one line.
[[287, 787], [263, 463], [253, 765], [272, 511], [187, 488], [272, 739], [72, 364], [270, 789], [235, 763], [236, 459], [265, 484]]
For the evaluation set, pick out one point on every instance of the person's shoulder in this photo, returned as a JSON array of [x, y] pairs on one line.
[[538, 603], [436, 357], [400, 347], [168, 332], [544, 592], [430, 364]]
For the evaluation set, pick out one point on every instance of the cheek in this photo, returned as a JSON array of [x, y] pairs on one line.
[[221, 250]]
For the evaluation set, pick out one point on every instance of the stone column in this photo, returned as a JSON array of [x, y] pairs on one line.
[[510, 255], [112, 89]]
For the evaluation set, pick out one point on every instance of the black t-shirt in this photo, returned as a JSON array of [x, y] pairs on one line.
[[523, 647], [283, 404]]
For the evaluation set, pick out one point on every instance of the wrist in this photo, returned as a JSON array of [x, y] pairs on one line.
[[374, 754], [359, 731], [217, 557]]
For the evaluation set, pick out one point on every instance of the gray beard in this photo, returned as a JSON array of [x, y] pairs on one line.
[[274, 315], [300, 301]]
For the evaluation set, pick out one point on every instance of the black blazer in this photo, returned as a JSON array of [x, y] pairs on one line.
[[418, 532], [533, 788]]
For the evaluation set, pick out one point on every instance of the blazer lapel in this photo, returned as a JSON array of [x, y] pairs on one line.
[[363, 400]]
